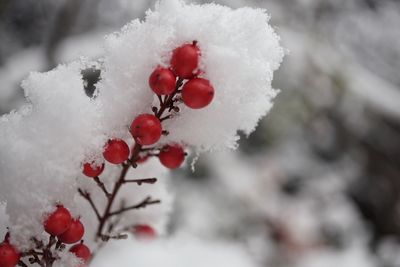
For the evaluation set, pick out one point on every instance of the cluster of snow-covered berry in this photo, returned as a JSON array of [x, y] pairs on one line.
[[44, 152], [63, 230], [146, 129]]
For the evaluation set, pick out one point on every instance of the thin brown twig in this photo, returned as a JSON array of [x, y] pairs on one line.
[[86, 195], [147, 201], [142, 181], [102, 186], [22, 264], [165, 104]]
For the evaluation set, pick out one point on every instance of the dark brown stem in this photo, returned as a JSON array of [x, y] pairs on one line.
[[147, 201], [102, 186], [160, 99], [142, 181], [165, 104], [105, 238], [117, 186], [166, 118], [169, 99], [86, 195], [117, 219]]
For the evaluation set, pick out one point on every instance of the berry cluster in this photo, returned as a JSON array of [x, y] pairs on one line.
[[63, 230], [146, 130], [63, 226]]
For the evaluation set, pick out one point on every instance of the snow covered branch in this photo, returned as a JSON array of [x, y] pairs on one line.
[[189, 76]]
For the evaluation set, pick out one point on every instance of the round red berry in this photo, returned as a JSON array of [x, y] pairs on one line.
[[162, 81], [185, 60], [58, 222], [81, 251], [197, 93], [172, 156], [92, 170], [9, 255], [116, 151], [74, 233], [146, 129], [144, 231]]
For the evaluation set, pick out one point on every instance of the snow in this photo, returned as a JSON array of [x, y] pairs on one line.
[[44, 143], [177, 251], [239, 53]]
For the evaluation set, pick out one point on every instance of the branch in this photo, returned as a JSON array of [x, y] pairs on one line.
[[86, 196], [147, 201], [105, 238], [142, 181], [102, 186]]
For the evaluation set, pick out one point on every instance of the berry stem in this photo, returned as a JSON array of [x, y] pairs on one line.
[[166, 104], [22, 264], [142, 181], [102, 186], [87, 196], [147, 201], [169, 99]]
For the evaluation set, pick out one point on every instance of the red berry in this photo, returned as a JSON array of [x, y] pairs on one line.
[[91, 170], [172, 156], [73, 234], [116, 151], [162, 81], [58, 222], [144, 231], [9, 256], [185, 60], [146, 129], [81, 251], [197, 93]]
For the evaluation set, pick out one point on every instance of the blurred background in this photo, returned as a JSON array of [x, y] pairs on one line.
[[318, 183]]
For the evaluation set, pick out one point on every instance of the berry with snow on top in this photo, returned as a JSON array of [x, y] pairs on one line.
[[58, 222], [81, 251], [91, 170], [185, 60]]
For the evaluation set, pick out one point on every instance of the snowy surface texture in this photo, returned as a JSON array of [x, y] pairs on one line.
[[179, 251], [239, 53], [43, 143]]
